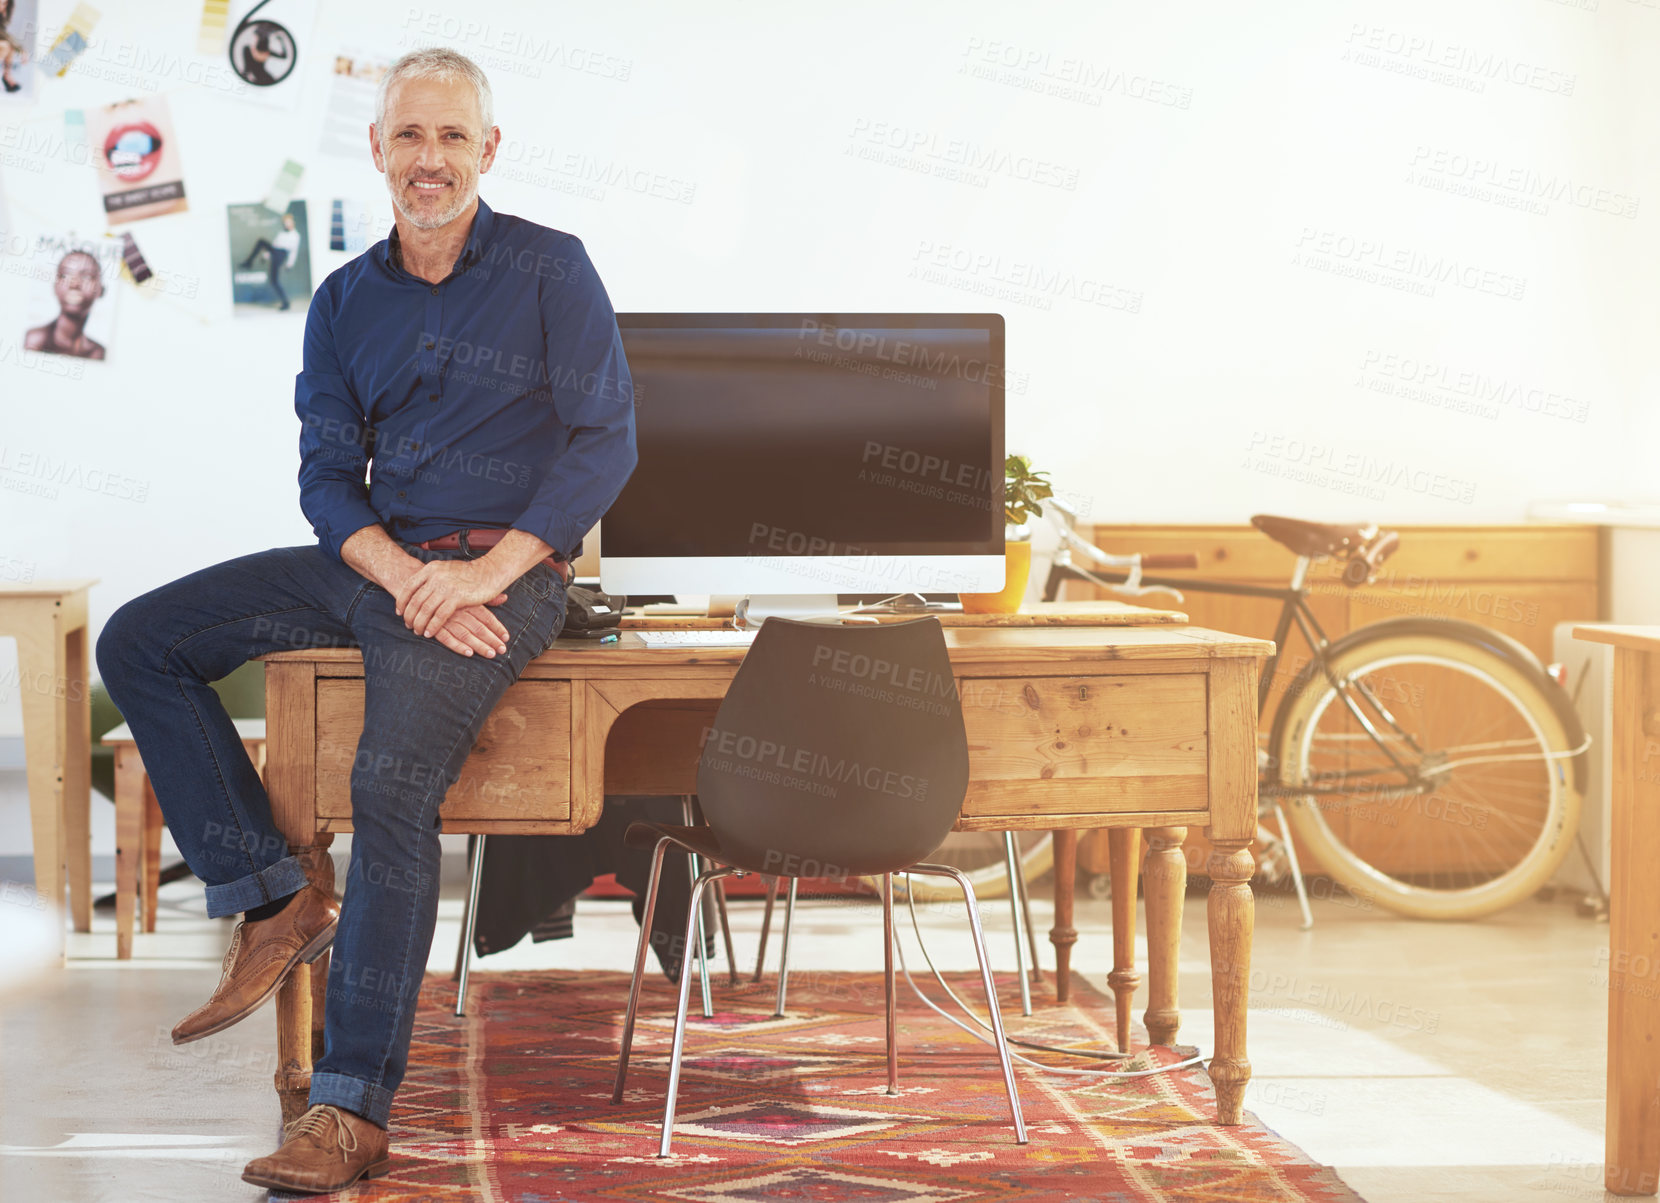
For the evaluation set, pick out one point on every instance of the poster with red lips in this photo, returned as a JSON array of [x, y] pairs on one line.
[[137, 156]]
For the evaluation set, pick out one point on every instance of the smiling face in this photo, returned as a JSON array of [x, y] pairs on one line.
[[432, 149], [78, 283]]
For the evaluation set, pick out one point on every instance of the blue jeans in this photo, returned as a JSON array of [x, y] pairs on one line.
[[424, 706]]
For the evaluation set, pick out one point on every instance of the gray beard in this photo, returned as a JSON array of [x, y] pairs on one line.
[[430, 223]]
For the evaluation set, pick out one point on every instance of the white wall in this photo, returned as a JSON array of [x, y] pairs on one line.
[[1220, 357]]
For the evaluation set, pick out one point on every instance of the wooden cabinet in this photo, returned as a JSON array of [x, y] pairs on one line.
[[1521, 580]]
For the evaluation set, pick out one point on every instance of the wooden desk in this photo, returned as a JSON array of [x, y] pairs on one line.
[[1068, 727], [1632, 1157], [48, 619]]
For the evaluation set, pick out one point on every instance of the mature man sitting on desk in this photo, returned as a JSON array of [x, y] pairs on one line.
[[476, 358]]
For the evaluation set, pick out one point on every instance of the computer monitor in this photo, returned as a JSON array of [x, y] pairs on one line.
[[810, 454]]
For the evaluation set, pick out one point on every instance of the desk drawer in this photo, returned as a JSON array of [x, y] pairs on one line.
[[519, 768], [1085, 745]]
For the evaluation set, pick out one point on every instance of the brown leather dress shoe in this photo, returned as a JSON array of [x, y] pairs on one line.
[[326, 1149], [259, 958]]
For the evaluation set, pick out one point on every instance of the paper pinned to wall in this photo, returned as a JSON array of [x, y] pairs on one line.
[[19, 25], [351, 103], [353, 225], [266, 43], [133, 265], [71, 296], [270, 257], [71, 41], [136, 153], [210, 37], [284, 187]]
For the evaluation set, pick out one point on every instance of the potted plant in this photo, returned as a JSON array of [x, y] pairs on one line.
[[1023, 491]]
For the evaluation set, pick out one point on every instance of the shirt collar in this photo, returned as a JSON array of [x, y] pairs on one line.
[[484, 222]]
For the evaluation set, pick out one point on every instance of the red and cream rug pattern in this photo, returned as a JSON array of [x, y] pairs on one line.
[[513, 1103]]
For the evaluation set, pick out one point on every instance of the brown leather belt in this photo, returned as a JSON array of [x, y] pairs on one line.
[[480, 537]]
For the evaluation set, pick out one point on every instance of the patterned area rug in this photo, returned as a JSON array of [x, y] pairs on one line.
[[513, 1103]]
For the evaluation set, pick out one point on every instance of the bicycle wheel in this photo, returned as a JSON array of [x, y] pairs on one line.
[[979, 854], [1465, 801]]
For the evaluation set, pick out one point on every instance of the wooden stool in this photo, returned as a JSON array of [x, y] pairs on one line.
[[48, 619], [139, 823]]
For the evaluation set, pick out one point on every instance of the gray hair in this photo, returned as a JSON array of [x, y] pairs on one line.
[[435, 62]]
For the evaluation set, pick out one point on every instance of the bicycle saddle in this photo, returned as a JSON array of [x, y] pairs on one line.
[[1314, 538]]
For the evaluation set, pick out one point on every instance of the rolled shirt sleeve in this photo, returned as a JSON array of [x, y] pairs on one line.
[[593, 395], [335, 438]]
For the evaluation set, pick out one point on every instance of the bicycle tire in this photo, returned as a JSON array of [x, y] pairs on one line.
[[1538, 797]]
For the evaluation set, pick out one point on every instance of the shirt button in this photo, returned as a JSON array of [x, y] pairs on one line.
[[432, 396], [434, 292], [429, 344], [401, 493]]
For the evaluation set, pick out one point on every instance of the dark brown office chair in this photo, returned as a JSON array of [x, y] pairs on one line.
[[838, 750]]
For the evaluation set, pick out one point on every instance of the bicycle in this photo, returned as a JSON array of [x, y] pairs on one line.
[[1468, 787]]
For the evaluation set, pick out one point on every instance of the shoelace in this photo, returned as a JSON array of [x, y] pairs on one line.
[[315, 1122], [230, 954]]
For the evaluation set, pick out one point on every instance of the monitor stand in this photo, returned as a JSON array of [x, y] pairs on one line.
[[755, 609]]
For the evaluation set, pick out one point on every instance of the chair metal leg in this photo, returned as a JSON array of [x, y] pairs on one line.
[[702, 881], [693, 864], [474, 879], [1026, 913], [466, 910], [766, 927], [991, 986], [1296, 869], [784, 951], [726, 934], [888, 983], [640, 965], [1012, 861]]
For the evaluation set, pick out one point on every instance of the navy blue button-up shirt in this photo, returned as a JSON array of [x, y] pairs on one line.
[[497, 398]]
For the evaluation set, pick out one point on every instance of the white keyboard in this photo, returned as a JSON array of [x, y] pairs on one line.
[[722, 638]]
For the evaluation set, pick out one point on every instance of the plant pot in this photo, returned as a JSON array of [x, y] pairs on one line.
[[1017, 556]]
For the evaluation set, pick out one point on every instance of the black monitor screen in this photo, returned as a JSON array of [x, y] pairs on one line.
[[813, 434]]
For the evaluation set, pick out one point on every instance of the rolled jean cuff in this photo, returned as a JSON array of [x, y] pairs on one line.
[[276, 881], [373, 1103]]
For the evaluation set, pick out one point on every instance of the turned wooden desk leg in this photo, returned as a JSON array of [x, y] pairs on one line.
[[294, 1043], [1164, 884], [129, 844], [1064, 935], [77, 777], [1124, 844], [40, 662], [1231, 912], [320, 869], [302, 998], [154, 825]]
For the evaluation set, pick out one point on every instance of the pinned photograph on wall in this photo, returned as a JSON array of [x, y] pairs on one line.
[[264, 41], [72, 296], [270, 257], [137, 157], [351, 104], [19, 21]]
